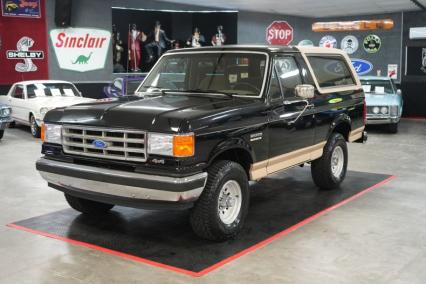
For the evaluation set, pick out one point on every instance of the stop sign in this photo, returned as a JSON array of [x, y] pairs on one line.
[[279, 33]]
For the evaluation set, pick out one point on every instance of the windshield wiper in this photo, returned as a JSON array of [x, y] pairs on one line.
[[202, 91], [157, 89]]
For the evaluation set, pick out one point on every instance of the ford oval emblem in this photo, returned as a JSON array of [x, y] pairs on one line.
[[361, 66], [99, 144]]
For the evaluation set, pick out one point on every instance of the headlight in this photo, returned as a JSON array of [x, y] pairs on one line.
[[43, 111], [5, 112], [376, 110], [384, 110], [171, 145], [51, 133], [394, 110]]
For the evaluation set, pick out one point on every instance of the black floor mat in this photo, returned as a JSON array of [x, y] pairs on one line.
[[277, 203]]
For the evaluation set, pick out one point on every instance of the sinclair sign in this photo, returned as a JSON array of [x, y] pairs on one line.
[[80, 49]]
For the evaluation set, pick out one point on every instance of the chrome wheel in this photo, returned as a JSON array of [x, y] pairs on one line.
[[34, 126], [337, 161], [230, 200]]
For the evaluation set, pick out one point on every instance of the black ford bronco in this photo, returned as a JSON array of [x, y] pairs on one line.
[[202, 125]]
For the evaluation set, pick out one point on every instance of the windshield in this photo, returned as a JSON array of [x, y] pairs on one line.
[[52, 90], [221, 72], [377, 86]]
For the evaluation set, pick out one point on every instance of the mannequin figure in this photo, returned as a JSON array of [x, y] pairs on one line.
[[196, 39], [158, 39], [219, 38], [134, 44]]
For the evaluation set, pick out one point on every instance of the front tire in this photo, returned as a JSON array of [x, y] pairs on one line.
[[393, 128], [1, 134], [329, 171], [221, 210], [35, 129], [88, 207]]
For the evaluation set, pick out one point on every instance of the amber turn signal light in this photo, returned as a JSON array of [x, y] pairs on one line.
[[43, 132], [183, 146]]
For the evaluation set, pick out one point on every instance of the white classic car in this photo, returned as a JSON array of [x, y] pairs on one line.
[[31, 100]]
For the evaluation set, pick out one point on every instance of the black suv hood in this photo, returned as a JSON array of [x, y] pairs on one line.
[[168, 113]]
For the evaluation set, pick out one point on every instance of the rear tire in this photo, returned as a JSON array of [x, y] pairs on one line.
[[329, 171], [88, 207], [221, 210], [393, 128], [1, 134], [35, 129]]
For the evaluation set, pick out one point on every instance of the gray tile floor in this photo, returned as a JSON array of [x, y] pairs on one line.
[[378, 238]]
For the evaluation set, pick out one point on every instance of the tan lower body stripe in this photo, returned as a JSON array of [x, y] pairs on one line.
[[264, 168]]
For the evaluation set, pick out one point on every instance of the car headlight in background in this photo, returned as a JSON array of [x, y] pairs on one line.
[[51, 133], [384, 110], [5, 112], [171, 145], [376, 110], [394, 110], [43, 111]]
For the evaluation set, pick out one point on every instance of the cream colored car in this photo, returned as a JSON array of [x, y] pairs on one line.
[[31, 100]]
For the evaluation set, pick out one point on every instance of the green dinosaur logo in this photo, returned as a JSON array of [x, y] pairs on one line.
[[82, 59]]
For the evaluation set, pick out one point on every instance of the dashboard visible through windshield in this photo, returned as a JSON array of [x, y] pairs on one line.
[[235, 73]]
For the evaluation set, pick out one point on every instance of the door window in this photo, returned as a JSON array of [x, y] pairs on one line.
[[288, 74], [18, 93], [274, 87]]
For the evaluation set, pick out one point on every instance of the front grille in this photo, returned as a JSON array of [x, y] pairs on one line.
[[127, 145]]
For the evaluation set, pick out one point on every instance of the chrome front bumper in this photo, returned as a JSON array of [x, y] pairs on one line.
[[371, 119], [120, 187], [4, 122]]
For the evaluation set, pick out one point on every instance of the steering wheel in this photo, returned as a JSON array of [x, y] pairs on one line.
[[246, 87]]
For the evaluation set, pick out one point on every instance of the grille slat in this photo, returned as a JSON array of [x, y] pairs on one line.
[[78, 140]]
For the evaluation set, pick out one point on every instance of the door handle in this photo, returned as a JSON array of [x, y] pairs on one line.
[[307, 106]]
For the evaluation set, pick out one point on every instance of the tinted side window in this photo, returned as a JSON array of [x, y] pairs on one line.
[[331, 71], [18, 93], [274, 88], [288, 74]]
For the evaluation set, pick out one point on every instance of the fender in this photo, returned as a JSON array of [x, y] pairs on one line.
[[231, 144], [338, 121]]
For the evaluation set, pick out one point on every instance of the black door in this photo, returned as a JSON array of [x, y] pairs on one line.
[[291, 127]]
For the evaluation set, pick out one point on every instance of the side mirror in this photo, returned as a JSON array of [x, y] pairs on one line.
[[305, 91], [399, 92]]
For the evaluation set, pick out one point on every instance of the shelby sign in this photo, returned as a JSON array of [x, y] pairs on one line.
[[279, 33], [80, 49]]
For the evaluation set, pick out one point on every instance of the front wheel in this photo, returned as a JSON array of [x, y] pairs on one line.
[[220, 212], [393, 128], [1, 134], [88, 207], [35, 129], [329, 171]]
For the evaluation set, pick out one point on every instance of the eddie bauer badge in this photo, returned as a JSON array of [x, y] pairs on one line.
[[372, 43]]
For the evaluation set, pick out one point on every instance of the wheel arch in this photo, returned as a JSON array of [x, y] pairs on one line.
[[236, 150], [342, 125]]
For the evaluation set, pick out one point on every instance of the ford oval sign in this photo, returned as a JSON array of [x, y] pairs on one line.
[[99, 144], [361, 66]]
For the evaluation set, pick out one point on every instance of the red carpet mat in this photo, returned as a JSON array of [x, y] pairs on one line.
[[279, 204]]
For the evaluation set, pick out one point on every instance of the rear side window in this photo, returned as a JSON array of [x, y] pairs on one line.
[[331, 71]]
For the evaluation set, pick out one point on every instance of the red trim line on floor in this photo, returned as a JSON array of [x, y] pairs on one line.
[[219, 264]]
